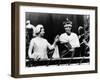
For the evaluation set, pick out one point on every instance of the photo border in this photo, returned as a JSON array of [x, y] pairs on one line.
[[15, 32]]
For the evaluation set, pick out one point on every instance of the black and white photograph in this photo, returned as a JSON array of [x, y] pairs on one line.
[[51, 39], [57, 39]]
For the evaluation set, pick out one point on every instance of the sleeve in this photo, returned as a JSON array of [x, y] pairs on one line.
[[75, 41], [49, 45], [30, 48], [62, 38]]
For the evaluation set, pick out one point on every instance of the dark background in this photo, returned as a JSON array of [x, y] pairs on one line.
[[53, 23]]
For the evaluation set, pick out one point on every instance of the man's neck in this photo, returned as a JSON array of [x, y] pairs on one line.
[[68, 34]]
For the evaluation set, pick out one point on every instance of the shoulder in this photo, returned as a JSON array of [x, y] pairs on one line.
[[63, 34], [30, 26], [74, 34], [33, 39], [45, 40]]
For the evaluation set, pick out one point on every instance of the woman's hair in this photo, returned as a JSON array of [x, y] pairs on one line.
[[39, 31]]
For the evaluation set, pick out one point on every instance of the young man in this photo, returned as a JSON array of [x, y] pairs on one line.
[[69, 39]]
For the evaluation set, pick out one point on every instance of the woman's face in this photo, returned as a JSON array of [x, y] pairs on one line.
[[42, 32]]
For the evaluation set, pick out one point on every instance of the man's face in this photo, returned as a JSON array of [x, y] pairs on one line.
[[67, 28]]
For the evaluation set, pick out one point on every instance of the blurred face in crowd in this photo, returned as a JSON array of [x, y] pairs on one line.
[[68, 28], [27, 22]]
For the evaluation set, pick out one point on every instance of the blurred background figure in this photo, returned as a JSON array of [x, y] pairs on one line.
[[30, 33], [84, 39], [30, 28]]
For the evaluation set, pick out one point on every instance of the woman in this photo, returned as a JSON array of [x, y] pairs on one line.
[[39, 45]]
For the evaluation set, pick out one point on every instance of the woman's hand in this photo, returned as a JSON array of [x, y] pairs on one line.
[[56, 39]]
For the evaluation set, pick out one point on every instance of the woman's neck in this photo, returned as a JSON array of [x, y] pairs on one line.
[[39, 36]]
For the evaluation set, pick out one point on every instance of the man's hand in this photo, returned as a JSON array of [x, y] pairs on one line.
[[72, 49]]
